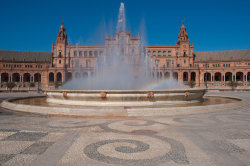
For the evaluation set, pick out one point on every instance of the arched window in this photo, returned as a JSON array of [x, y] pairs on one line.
[[77, 75], [51, 77], [37, 77], [239, 76], [26, 77], [207, 77], [68, 76], [228, 76], [167, 75], [185, 76], [85, 75], [175, 76], [59, 77], [217, 76], [193, 76], [16, 77], [4, 77]]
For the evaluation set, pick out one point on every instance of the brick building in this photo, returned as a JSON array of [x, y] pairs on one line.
[[179, 61]]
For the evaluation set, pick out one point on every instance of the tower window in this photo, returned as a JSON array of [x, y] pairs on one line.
[[59, 61], [184, 54], [60, 54]]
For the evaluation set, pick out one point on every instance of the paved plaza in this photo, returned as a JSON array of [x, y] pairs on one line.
[[217, 137]]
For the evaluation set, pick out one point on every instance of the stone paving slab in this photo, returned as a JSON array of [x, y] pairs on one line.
[[207, 138]]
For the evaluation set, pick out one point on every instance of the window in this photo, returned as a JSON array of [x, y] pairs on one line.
[[159, 53], [172, 62], [177, 52], [75, 53], [184, 54], [96, 53], [77, 63], [154, 53], [148, 53], [60, 54], [90, 53], [168, 63], [169, 53], [59, 61], [85, 53], [87, 63], [164, 53], [80, 53], [101, 53], [184, 60]]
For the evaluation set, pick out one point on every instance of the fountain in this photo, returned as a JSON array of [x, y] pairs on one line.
[[123, 76]]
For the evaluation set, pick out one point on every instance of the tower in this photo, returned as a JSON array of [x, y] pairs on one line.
[[59, 54], [183, 36], [184, 49]]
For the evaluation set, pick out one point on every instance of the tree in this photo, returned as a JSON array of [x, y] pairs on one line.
[[10, 85], [233, 84], [191, 83], [32, 84], [57, 84]]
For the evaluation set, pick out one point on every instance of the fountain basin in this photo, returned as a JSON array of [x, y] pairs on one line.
[[123, 97]]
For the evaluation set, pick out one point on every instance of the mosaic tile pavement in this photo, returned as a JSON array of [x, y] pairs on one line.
[[221, 137]]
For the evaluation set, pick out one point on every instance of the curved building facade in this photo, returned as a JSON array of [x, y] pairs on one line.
[[65, 62]]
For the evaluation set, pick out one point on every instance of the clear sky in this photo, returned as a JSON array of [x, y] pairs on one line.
[[32, 25]]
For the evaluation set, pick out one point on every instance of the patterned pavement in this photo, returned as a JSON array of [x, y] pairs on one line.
[[219, 137]]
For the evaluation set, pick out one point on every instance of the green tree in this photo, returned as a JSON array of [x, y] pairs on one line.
[[32, 84], [233, 84], [10, 85], [191, 83]]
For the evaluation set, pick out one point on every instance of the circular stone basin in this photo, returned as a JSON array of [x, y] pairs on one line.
[[124, 97]]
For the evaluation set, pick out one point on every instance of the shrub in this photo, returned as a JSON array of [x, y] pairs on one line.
[[233, 84], [191, 83], [10, 85], [32, 84]]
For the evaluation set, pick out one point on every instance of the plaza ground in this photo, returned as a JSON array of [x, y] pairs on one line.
[[216, 137]]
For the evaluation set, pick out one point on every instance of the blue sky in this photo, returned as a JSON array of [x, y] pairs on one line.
[[212, 25]]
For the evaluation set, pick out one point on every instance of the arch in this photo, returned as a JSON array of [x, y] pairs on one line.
[[59, 77], [175, 76], [16, 77], [207, 77], [248, 76], [228, 76], [26, 77], [185, 76], [217, 76], [51, 77], [159, 75], [193, 76], [68, 76], [37, 77], [167, 75], [77, 75], [239, 76], [4, 77], [85, 75]]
